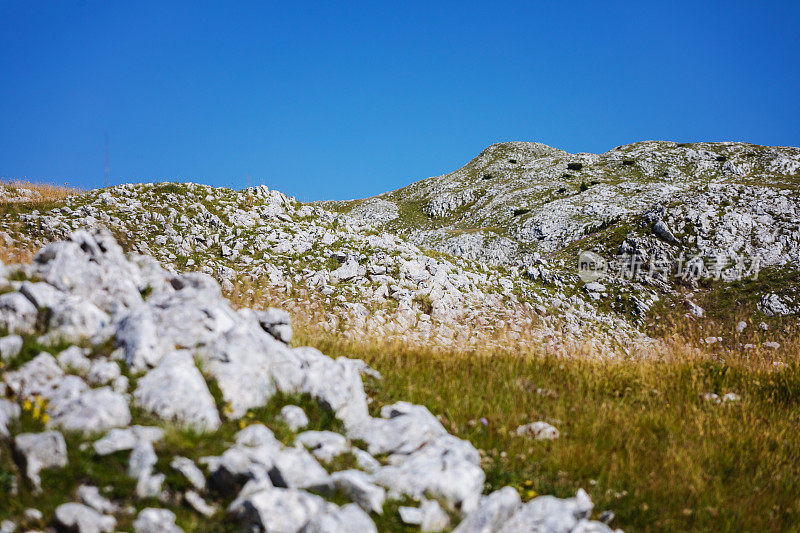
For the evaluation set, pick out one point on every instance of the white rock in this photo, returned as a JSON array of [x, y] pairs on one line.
[[9, 411], [91, 496], [548, 513], [493, 510], [538, 430], [94, 410], [325, 445], [349, 518], [37, 451], [294, 417], [73, 358], [199, 504], [190, 471], [152, 520], [278, 510], [176, 391], [10, 346], [17, 313], [78, 517]]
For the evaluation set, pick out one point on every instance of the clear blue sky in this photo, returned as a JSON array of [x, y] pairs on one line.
[[334, 102]]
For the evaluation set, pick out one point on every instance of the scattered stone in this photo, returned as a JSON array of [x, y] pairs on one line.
[[493, 510], [91, 496], [538, 430], [358, 487], [10, 346], [277, 509], [190, 471], [9, 411], [346, 519], [33, 515], [83, 519], [547, 513], [277, 323], [325, 445], [177, 392], [152, 520], [294, 417], [92, 411], [126, 439], [434, 518], [663, 231], [74, 359], [197, 503], [36, 451]]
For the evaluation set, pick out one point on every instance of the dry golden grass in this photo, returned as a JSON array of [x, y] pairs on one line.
[[638, 432], [43, 192]]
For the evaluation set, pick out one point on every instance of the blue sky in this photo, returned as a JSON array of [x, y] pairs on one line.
[[343, 100]]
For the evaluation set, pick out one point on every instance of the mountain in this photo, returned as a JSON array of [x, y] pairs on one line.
[[709, 216]]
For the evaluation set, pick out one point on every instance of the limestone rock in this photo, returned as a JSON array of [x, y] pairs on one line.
[[152, 520], [83, 519], [294, 417], [176, 391], [36, 451]]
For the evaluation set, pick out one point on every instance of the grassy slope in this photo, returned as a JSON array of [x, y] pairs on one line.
[[636, 434]]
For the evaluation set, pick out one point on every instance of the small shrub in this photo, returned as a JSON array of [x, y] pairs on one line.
[[521, 211], [584, 186], [575, 166], [628, 162]]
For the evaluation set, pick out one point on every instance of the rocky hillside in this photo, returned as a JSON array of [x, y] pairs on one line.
[[340, 273], [133, 397], [664, 218]]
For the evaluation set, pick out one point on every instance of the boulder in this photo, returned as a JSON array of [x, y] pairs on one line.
[[126, 439], [190, 471], [82, 519], [325, 445], [446, 468], [538, 430], [278, 510], [493, 510], [276, 322], [92, 411], [349, 518], [405, 427], [91, 496], [36, 451], [9, 411], [10, 346], [152, 520], [548, 513], [358, 487], [17, 313], [176, 391], [294, 417]]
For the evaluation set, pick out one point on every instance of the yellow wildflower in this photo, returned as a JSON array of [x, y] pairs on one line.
[[27, 405], [530, 494]]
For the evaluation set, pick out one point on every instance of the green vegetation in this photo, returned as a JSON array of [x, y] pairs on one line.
[[636, 434]]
